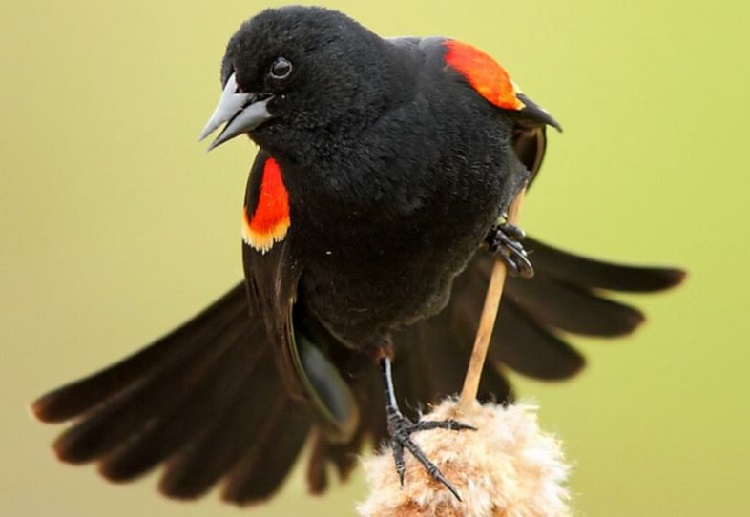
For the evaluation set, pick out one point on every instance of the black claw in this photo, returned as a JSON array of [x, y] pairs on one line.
[[504, 240], [514, 232], [398, 458], [451, 425], [432, 469], [401, 429]]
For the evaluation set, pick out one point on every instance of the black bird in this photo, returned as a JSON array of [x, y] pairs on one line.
[[371, 217]]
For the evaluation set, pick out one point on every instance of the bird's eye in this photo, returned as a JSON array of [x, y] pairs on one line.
[[281, 68]]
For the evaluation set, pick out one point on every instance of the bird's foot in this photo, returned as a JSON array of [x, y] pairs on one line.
[[504, 241], [401, 429]]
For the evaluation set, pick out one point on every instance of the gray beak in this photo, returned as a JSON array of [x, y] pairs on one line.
[[241, 111]]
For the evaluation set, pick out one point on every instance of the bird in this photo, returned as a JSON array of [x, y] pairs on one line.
[[373, 213]]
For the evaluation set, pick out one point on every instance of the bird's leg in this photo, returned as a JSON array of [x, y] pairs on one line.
[[504, 241], [401, 428]]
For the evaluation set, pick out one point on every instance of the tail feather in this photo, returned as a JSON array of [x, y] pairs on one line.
[[141, 404], [412, 388], [534, 350], [78, 397], [494, 386], [367, 388], [262, 472], [195, 469], [317, 475], [572, 308], [436, 358], [603, 275], [343, 457], [175, 428]]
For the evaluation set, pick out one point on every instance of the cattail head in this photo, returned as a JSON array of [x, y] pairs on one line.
[[507, 467]]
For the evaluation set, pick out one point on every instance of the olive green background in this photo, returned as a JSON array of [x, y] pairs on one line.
[[115, 225]]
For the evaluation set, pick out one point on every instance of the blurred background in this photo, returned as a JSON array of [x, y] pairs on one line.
[[116, 225]]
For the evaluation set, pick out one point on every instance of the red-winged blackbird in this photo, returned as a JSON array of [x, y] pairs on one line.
[[384, 167]]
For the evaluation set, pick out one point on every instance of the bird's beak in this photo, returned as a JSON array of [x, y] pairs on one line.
[[241, 111]]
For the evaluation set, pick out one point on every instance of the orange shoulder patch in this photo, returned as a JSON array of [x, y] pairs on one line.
[[269, 221], [484, 74]]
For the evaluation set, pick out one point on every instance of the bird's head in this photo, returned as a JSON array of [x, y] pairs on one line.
[[299, 70]]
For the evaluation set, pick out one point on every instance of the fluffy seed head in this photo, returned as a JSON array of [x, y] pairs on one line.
[[509, 467]]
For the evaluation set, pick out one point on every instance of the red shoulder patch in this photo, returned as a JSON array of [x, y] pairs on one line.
[[484, 74], [270, 221]]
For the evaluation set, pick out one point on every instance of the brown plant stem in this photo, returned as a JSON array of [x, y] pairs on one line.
[[487, 319]]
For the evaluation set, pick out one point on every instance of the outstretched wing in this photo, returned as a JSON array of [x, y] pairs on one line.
[[568, 296], [206, 401]]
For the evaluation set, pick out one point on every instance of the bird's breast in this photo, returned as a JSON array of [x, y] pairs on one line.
[[383, 231], [367, 275]]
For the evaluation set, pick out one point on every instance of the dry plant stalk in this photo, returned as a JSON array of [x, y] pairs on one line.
[[487, 319]]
